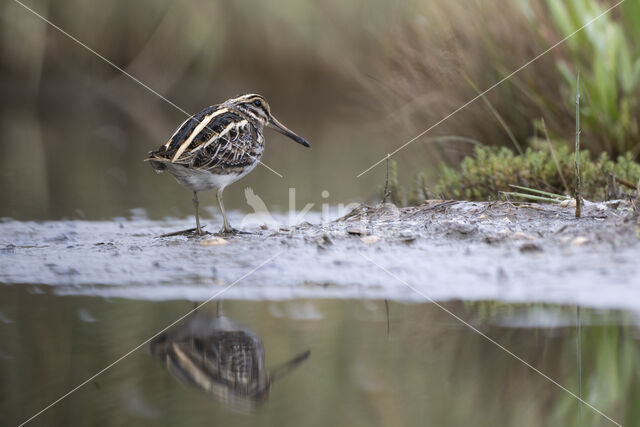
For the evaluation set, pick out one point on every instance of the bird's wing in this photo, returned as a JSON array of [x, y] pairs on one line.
[[216, 137]]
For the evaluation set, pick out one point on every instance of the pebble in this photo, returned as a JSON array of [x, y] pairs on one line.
[[324, 241], [369, 240], [519, 235], [214, 241], [357, 232], [463, 227], [530, 248], [407, 236], [579, 241]]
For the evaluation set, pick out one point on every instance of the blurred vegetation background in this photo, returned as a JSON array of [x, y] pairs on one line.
[[357, 79]]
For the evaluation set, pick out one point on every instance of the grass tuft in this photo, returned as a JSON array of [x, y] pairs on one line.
[[491, 170]]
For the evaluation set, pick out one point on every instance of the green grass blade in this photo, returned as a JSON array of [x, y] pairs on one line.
[[531, 196], [544, 193]]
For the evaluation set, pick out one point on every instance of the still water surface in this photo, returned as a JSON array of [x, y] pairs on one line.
[[311, 362]]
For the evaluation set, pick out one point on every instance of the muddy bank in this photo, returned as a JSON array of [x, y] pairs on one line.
[[445, 250]]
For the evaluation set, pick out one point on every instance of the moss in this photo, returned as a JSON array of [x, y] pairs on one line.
[[492, 169]]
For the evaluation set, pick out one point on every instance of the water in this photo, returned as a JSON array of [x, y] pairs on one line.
[[358, 364]]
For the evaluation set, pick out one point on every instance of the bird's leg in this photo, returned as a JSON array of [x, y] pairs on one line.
[[226, 227], [196, 204]]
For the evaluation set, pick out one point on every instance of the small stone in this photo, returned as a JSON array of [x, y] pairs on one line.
[[407, 236], [357, 232], [579, 241], [463, 227], [569, 203], [530, 248], [519, 235], [369, 240], [406, 233], [214, 241], [325, 240], [494, 238]]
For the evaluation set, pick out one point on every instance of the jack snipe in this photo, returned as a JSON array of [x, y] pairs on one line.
[[221, 358], [218, 146]]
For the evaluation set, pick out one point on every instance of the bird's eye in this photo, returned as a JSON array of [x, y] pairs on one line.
[[257, 103]]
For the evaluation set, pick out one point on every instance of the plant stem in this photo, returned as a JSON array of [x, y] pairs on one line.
[[387, 192], [577, 162]]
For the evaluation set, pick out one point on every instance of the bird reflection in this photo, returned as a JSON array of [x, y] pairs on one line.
[[219, 357]]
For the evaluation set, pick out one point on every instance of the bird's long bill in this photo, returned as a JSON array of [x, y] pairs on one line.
[[274, 123]]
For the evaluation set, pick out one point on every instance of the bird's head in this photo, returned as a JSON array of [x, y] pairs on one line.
[[257, 108]]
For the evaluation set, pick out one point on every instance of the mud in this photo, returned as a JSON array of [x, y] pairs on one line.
[[443, 250]]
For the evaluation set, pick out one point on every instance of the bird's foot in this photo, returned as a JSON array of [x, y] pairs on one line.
[[188, 232], [200, 232], [230, 231]]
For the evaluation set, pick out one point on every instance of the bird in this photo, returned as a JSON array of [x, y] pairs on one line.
[[221, 358], [218, 146]]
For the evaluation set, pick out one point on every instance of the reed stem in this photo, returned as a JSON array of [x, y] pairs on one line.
[[577, 188]]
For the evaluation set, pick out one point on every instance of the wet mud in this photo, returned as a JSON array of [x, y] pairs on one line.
[[441, 250]]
